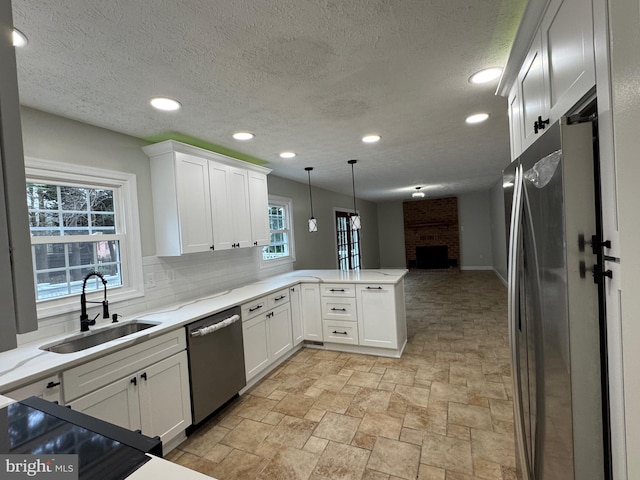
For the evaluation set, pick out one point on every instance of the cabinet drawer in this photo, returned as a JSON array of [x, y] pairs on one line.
[[336, 331], [97, 373], [278, 298], [339, 309], [254, 308], [338, 290]]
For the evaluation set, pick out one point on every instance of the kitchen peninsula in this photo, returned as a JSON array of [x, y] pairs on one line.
[[354, 311]]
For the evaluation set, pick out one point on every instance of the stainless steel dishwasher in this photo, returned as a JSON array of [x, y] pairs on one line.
[[216, 361]]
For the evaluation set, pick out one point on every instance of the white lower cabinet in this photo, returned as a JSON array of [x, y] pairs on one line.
[[144, 387], [154, 400], [47, 388], [381, 315], [256, 347], [311, 311], [267, 337], [297, 329]]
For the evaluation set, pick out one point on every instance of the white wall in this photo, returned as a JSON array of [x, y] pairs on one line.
[[318, 249], [474, 220], [391, 235], [499, 231]]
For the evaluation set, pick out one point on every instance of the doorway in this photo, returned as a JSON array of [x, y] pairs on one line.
[[347, 243]]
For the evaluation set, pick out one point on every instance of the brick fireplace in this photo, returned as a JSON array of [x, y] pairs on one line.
[[431, 233]]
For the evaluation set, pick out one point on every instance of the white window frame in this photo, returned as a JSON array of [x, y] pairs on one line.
[[128, 225], [288, 204]]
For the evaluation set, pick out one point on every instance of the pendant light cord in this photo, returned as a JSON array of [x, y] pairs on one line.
[[308, 169], [353, 184]]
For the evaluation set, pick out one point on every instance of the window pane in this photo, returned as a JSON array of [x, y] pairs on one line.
[[101, 200], [103, 220], [42, 197], [61, 268], [74, 198]]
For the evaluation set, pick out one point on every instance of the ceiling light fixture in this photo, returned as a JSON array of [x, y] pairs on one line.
[[18, 38], [313, 223], [287, 155], [243, 135], [165, 104], [371, 138], [418, 193], [354, 217], [485, 76], [477, 118]]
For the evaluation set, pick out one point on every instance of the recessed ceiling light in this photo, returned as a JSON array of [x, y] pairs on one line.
[[371, 138], [486, 75], [243, 136], [165, 104], [477, 118], [19, 39], [287, 155]]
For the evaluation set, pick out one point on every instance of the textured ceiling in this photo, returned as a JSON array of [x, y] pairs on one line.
[[311, 76]]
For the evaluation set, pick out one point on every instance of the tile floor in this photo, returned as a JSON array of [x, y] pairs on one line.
[[441, 412]]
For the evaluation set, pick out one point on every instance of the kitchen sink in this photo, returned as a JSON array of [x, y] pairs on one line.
[[98, 337]]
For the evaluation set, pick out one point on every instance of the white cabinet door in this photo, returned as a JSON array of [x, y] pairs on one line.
[[117, 403], [222, 224], [165, 406], [567, 40], [239, 206], [532, 91], [296, 315], [311, 311], [194, 210], [515, 121], [280, 337], [256, 346], [376, 316], [259, 198]]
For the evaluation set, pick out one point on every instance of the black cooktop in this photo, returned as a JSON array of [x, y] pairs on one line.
[[105, 451]]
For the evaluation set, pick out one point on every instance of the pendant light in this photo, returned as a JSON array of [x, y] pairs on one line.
[[354, 217], [313, 223]]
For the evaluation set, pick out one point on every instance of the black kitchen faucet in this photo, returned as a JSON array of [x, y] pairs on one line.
[[84, 318]]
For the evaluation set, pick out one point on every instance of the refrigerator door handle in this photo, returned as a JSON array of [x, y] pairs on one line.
[[513, 275]]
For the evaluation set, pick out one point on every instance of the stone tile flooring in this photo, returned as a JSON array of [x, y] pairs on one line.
[[441, 412]]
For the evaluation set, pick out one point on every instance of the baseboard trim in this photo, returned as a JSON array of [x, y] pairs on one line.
[[477, 268], [501, 277]]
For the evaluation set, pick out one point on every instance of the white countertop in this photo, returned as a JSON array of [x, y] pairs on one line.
[[27, 363]]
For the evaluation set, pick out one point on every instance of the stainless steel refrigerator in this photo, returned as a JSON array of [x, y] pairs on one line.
[[553, 307]]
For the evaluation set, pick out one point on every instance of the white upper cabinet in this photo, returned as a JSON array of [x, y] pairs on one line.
[[567, 40], [259, 198], [204, 201], [555, 74], [532, 93], [515, 122]]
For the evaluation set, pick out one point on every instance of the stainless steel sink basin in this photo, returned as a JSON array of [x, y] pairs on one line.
[[98, 337]]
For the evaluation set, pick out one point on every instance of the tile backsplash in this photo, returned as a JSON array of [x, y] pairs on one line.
[[170, 280]]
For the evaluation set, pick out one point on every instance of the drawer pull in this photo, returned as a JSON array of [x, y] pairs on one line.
[[52, 384], [338, 309], [255, 308], [144, 376], [337, 290], [280, 297], [340, 333], [134, 380], [374, 288]]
